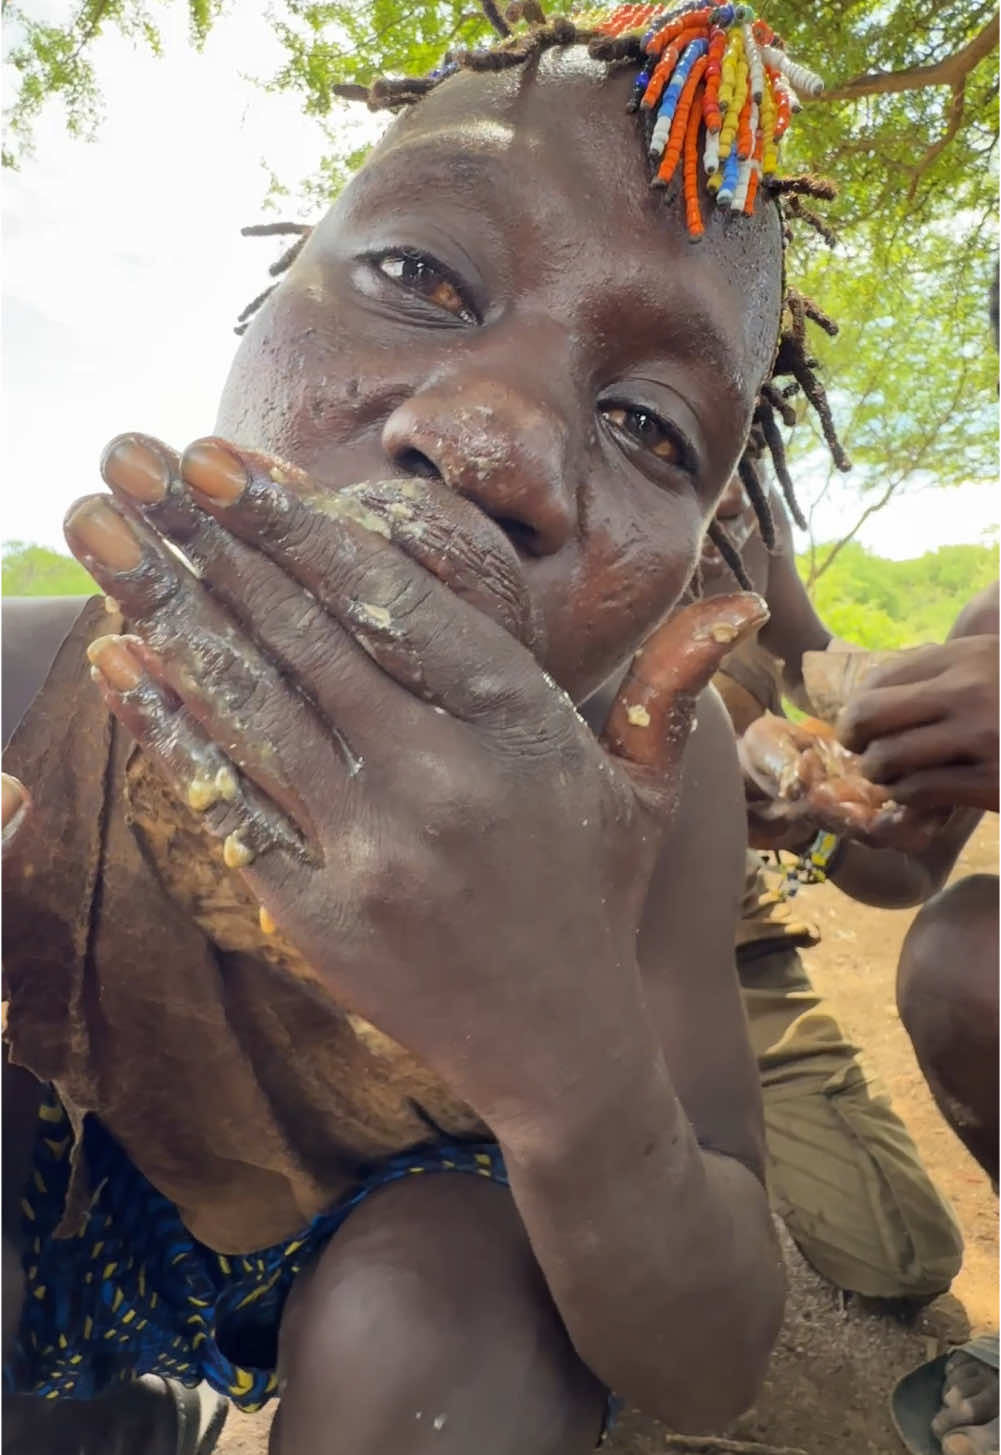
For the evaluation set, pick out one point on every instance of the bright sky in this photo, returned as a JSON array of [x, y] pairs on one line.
[[124, 271]]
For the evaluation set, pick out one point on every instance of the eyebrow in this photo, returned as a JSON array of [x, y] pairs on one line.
[[683, 330], [447, 151]]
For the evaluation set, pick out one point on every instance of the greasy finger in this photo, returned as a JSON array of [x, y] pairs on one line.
[[418, 630], [910, 666], [442, 530], [960, 786], [203, 777], [888, 758], [876, 712], [239, 696], [651, 717], [770, 753], [295, 632]]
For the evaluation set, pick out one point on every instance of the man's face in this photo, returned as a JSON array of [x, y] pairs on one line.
[[500, 299]]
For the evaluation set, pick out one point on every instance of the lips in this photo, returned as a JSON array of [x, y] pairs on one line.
[[454, 540]]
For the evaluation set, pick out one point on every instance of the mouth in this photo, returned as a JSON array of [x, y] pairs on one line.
[[476, 557]]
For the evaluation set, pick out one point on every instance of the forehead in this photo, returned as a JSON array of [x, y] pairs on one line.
[[551, 151]]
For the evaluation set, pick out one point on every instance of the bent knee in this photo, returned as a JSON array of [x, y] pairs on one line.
[[398, 1351], [947, 978], [849, 1183]]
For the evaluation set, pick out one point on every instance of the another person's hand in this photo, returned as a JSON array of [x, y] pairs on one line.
[[927, 726], [347, 695], [800, 779]]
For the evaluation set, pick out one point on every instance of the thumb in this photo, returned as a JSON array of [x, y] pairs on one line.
[[651, 717]]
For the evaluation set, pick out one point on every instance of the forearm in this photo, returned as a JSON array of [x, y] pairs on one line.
[[892, 879], [884, 878], [661, 1257]]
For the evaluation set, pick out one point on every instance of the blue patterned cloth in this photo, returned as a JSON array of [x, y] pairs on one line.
[[135, 1293]]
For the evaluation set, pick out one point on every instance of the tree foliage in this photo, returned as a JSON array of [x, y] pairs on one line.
[[863, 598], [54, 62], [883, 604], [36, 571], [907, 126]]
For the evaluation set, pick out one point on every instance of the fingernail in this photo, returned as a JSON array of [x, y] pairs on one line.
[[215, 471], [13, 799], [133, 467], [104, 535], [115, 662]]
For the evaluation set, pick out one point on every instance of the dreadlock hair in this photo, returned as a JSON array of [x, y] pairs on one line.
[[687, 77]]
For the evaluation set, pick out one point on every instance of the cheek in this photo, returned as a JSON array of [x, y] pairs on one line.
[[630, 572], [304, 385]]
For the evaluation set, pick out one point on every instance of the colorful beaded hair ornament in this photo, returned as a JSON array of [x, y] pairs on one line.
[[721, 70], [714, 80]]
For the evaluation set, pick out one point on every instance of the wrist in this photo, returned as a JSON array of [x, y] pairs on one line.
[[616, 1109]]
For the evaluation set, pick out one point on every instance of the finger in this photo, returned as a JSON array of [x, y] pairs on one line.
[[293, 630], [889, 758], [409, 622], [239, 696], [961, 786], [16, 807], [770, 753], [910, 666], [874, 713], [442, 530], [651, 717], [204, 779]]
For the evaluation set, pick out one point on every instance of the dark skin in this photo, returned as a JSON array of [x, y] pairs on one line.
[[515, 388], [887, 864], [927, 727]]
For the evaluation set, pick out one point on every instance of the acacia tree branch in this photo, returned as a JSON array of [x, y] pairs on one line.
[[835, 551], [913, 465], [92, 27], [950, 71], [952, 126]]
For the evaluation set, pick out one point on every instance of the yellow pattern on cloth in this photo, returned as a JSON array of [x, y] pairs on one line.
[[765, 914]]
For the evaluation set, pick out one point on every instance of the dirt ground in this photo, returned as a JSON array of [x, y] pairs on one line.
[[834, 1366]]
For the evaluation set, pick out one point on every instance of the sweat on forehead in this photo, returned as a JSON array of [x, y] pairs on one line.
[[571, 110]]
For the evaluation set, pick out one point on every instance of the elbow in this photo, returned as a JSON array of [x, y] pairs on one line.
[[709, 1370]]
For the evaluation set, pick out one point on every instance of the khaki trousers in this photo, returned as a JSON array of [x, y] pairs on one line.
[[843, 1171]]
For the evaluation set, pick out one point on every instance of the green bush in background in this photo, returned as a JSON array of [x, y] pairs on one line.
[[876, 603], [862, 597], [36, 571]]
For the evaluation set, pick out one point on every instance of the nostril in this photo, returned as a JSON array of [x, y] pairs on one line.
[[524, 539], [412, 462]]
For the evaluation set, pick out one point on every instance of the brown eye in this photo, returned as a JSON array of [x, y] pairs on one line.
[[646, 430], [420, 275]]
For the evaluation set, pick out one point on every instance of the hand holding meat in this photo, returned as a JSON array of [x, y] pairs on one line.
[[801, 778]]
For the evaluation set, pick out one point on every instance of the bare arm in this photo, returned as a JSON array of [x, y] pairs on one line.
[[793, 626], [886, 877], [650, 1220]]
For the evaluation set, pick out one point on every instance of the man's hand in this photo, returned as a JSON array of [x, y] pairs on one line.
[[346, 693], [801, 779], [927, 726]]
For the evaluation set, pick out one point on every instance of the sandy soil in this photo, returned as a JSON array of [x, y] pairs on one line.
[[834, 1366]]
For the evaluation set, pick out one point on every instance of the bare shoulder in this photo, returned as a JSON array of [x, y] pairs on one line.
[[34, 628], [978, 617], [686, 946]]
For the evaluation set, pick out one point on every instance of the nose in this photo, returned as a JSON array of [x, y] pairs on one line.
[[503, 449]]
